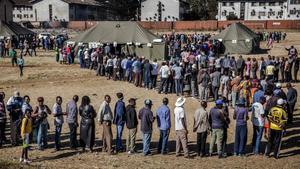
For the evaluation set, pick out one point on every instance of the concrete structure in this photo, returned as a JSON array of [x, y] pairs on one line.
[[23, 11], [163, 10], [259, 9], [6, 7], [67, 10]]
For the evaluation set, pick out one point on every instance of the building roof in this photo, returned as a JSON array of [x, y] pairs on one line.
[[80, 2], [22, 2], [252, 0], [12, 28]]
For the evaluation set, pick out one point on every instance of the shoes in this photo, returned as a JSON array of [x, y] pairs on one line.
[[21, 160], [187, 157], [27, 161], [209, 154], [221, 156]]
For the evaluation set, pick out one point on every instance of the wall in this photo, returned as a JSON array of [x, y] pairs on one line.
[[9, 7], [60, 10], [23, 10]]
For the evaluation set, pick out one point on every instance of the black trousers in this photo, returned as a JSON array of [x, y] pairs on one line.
[[290, 114], [14, 132], [274, 142], [201, 142], [73, 135], [163, 85], [224, 141], [2, 132]]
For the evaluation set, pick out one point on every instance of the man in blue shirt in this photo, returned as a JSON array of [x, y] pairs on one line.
[[164, 125], [258, 94], [119, 121]]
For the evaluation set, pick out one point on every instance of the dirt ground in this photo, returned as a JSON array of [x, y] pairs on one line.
[[44, 77]]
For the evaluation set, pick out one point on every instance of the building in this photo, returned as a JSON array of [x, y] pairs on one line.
[[258, 10], [163, 10], [6, 7], [67, 10], [23, 11]]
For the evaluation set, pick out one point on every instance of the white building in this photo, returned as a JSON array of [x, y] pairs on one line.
[[163, 10], [22, 11], [258, 9]]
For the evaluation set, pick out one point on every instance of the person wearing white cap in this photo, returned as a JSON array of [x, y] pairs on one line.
[[277, 118], [181, 127], [14, 106], [279, 92]]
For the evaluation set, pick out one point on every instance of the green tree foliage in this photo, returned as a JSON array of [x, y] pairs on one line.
[[203, 9]]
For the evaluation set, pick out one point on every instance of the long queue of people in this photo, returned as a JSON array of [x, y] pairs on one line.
[[270, 112]]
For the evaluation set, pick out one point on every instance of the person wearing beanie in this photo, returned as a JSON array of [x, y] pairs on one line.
[[277, 118]]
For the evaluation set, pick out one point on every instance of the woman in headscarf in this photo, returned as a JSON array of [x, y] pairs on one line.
[[87, 124]]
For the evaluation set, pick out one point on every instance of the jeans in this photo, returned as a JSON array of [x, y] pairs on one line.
[[131, 139], [163, 85], [146, 143], [235, 97], [2, 132], [201, 141], [73, 135], [257, 135], [119, 145], [178, 86], [163, 141], [147, 80], [42, 138], [81, 61], [203, 93], [69, 59], [215, 91], [58, 128], [240, 139], [216, 137], [194, 88]]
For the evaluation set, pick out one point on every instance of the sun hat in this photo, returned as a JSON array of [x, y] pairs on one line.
[[180, 102], [278, 85]]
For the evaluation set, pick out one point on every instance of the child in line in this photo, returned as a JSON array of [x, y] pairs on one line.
[[26, 129]]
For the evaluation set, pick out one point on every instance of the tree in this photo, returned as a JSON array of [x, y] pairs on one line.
[[203, 9]]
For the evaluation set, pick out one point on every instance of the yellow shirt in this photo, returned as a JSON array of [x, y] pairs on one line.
[[26, 126], [278, 117], [270, 70]]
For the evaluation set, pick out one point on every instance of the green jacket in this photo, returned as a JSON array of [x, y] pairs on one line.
[[12, 54]]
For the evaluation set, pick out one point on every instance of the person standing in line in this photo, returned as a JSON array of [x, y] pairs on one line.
[[201, 126], [164, 75], [217, 122], [241, 117], [235, 83], [277, 118], [58, 121], [177, 72], [2, 119], [87, 124], [105, 118], [215, 82], [72, 120], [181, 128], [203, 83], [296, 68], [164, 125], [292, 96], [14, 106], [154, 73], [240, 64], [258, 121], [26, 129], [41, 113], [147, 119], [119, 121], [131, 123]]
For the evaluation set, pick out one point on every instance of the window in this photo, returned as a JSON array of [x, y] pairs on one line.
[[295, 1], [271, 13], [262, 4], [31, 15], [231, 3], [262, 13], [14, 16], [254, 4], [231, 13], [293, 12], [280, 3], [25, 15], [224, 13], [271, 3], [253, 13], [224, 4], [19, 16]]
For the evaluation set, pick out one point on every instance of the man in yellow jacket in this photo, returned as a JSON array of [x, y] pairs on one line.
[[277, 118], [26, 129]]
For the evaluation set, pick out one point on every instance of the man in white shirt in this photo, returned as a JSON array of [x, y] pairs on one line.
[[164, 74], [258, 121], [181, 128], [58, 121]]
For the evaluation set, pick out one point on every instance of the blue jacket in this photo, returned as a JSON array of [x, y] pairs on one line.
[[257, 95], [163, 117], [120, 113]]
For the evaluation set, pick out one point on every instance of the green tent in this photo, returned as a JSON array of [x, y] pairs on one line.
[[9, 29], [238, 39], [130, 35]]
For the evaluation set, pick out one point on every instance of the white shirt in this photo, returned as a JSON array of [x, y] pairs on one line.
[[257, 112], [179, 114], [164, 71], [58, 110]]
